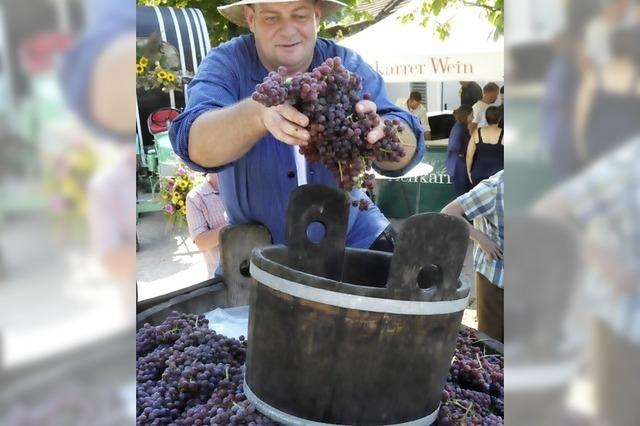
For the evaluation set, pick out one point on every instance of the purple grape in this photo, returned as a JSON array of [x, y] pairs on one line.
[[327, 95]]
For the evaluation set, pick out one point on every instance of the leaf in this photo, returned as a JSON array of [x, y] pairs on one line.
[[409, 17], [436, 6]]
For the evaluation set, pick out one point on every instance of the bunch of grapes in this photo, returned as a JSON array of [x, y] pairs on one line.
[[327, 95], [188, 374], [474, 392]]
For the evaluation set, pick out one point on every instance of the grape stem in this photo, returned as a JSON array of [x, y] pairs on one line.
[[340, 170], [196, 322], [479, 362], [226, 372]]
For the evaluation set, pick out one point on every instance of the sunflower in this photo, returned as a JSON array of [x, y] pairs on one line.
[[181, 203], [139, 69], [162, 74], [171, 77], [183, 209], [165, 197], [183, 184], [143, 61], [176, 197]]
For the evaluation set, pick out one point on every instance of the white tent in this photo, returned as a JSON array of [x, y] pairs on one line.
[[410, 52]]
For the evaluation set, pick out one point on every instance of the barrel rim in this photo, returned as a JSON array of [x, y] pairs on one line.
[[357, 302], [259, 258], [291, 420]]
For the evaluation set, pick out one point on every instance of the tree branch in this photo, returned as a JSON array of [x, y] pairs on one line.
[[485, 6]]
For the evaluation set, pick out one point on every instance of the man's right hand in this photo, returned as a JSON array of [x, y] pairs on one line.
[[286, 124]]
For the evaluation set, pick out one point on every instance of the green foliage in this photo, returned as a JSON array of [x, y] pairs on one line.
[[493, 9], [221, 30]]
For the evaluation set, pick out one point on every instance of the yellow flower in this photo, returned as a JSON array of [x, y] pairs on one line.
[[139, 69], [165, 197], [183, 184], [183, 209], [181, 203], [162, 74], [176, 197], [143, 61], [171, 77]]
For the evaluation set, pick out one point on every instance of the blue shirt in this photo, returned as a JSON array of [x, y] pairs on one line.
[[458, 140], [106, 21], [256, 187]]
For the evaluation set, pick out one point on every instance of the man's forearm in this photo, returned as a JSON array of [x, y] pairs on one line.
[[221, 136], [208, 239], [409, 142]]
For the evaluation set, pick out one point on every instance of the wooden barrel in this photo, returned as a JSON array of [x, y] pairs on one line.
[[186, 30], [370, 340]]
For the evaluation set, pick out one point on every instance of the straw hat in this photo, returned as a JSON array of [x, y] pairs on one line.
[[235, 11]]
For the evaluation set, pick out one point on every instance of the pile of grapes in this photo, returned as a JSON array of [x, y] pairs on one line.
[[474, 392], [327, 95], [188, 374]]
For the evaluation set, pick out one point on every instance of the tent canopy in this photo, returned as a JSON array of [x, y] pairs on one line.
[[411, 52]]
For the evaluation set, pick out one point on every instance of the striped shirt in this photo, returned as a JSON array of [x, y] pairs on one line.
[[205, 212], [605, 200], [484, 204]]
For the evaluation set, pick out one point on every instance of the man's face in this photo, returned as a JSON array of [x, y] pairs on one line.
[[492, 96], [412, 103], [285, 33]]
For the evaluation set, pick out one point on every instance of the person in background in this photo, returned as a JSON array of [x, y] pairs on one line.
[[414, 105], [613, 14], [206, 217], [470, 93], [607, 110], [485, 153], [501, 97], [484, 204], [489, 96], [457, 150]]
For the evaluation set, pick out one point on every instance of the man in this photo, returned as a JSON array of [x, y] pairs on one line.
[[470, 93], [415, 107], [206, 217], [484, 204], [255, 149], [489, 96]]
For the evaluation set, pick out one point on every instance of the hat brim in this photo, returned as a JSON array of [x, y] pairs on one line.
[[235, 12]]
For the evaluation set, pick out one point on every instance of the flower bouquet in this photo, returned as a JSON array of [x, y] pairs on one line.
[[158, 65], [174, 190]]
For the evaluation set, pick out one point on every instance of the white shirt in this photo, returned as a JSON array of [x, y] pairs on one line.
[[420, 112], [479, 111]]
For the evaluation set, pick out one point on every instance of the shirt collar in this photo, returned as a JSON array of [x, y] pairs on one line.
[[207, 189]]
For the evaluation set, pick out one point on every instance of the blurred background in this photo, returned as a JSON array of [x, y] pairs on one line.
[[67, 212], [572, 137]]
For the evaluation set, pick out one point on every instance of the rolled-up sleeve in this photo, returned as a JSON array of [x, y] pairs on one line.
[[215, 86], [373, 84], [480, 201]]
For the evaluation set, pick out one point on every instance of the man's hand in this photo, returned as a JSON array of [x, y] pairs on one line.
[[377, 132], [490, 248], [287, 124]]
